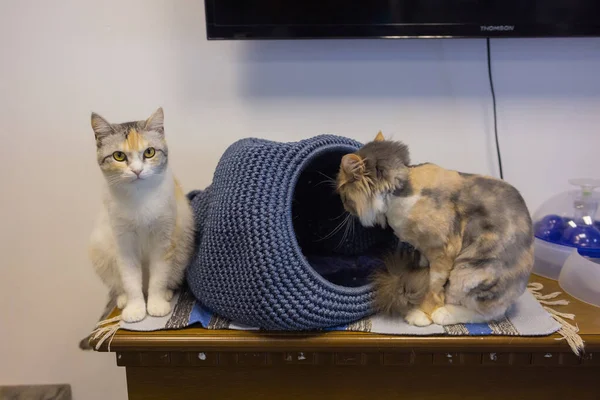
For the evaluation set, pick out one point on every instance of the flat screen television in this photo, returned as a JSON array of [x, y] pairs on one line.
[[322, 19]]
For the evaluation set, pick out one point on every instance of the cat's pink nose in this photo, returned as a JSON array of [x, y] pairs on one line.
[[137, 172]]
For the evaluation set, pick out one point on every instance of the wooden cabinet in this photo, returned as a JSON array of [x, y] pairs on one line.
[[209, 364]]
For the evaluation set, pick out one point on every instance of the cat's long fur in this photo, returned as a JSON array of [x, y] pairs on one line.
[[402, 285], [475, 231], [145, 230]]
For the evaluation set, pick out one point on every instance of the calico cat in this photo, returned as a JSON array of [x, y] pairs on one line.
[[145, 229], [475, 233]]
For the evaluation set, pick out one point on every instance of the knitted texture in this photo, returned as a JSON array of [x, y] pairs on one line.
[[248, 265]]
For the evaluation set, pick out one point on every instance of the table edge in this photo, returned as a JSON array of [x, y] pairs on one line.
[[223, 340]]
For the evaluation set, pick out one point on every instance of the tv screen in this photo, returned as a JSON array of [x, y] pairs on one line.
[[314, 19]]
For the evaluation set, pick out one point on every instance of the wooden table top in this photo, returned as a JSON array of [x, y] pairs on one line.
[[198, 338]]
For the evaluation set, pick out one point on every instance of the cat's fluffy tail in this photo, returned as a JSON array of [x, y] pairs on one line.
[[402, 285]]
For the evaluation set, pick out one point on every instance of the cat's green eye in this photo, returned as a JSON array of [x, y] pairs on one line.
[[149, 152], [119, 156]]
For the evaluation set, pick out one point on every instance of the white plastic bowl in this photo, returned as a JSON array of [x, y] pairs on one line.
[[580, 277], [549, 258]]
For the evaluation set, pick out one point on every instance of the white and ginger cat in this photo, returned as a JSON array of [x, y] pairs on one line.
[[144, 237], [475, 233]]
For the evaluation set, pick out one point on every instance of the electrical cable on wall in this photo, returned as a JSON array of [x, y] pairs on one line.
[[491, 80]]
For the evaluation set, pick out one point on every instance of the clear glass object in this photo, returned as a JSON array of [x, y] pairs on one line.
[[580, 277], [565, 222]]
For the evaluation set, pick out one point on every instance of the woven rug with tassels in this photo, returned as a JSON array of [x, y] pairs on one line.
[[534, 314]]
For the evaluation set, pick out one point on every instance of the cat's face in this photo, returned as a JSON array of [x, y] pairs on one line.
[[367, 177], [131, 152]]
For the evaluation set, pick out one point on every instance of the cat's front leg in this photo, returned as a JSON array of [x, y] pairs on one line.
[[452, 314], [159, 294], [439, 271], [417, 317], [130, 268]]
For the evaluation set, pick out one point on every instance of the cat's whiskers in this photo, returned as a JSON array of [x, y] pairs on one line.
[[339, 216], [113, 180], [333, 185], [343, 238], [349, 225], [335, 230], [328, 180]]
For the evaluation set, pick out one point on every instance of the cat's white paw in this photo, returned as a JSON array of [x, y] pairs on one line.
[[134, 311], [121, 301], [442, 316], [158, 307], [418, 318], [168, 294]]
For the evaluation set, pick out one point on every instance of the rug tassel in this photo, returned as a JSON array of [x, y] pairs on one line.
[[96, 333], [549, 296], [106, 330], [554, 302], [109, 334], [567, 331], [109, 321]]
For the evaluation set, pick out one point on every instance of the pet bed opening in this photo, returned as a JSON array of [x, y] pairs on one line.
[[333, 242]]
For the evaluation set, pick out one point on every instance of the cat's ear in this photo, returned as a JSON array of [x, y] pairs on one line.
[[156, 122], [101, 126], [353, 165], [379, 137]]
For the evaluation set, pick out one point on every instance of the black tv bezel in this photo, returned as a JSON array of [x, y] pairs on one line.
[[391, 31]]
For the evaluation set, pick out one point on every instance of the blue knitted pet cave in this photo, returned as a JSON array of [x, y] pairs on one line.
[[266, 237]]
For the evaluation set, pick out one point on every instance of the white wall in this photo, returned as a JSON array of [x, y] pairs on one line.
[[60, 60]]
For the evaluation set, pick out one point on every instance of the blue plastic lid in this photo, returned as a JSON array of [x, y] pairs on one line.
[[576, 226], [588, 252]]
